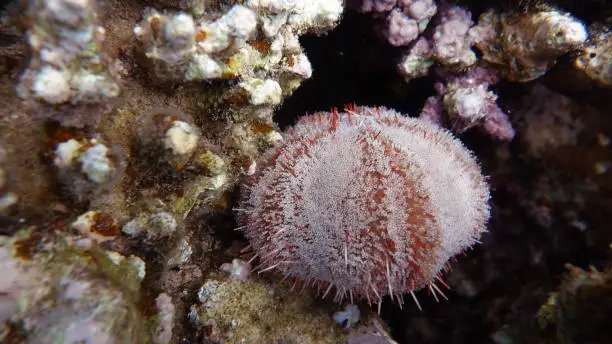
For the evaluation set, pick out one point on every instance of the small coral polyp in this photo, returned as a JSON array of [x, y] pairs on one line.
[[364, 204]]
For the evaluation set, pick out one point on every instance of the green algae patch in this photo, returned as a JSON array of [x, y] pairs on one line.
[[258, 312]]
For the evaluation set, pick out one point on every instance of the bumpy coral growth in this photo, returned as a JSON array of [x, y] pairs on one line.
[[259, 35], [527, 46], [367, 201], [595, 59], [404, 20], [67, 63], [465, 99], [451, 40], [67, 289]]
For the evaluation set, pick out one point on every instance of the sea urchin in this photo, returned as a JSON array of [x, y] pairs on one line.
[[367, 202]]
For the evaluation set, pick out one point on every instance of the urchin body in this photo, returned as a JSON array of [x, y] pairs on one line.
[[366, 203]]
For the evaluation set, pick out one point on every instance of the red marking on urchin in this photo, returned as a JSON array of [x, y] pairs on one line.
[[368, 202], [334, 119]]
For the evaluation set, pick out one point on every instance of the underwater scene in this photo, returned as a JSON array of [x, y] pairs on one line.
[[306, 171]]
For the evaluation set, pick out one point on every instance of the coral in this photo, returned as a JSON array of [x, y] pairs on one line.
[[195, 7], [526, 46], [201, 190], [181, 254], [250, 138], [67, 65], [66, 289], [404, 20], [417, 60], [547, 120], [467, 102], [90, 156], [347, 317], [181, 138], [257, 312], [372, 5], [7, 198], [96, 164], [234, 45], [83, 164], [84, 167], [523, 46], [166, 315], [168, 40], [97, 225], [447, 40], [238, 269], [171, 136], [577, 312], [172, 40], [151, 227], [365, 204], [176, 160], [583, 305], [401, 29], [372, 334], [596, 57], [263, 91], [449, 44], [213, 163]]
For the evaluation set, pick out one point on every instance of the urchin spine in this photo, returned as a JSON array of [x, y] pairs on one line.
[[366, 201]]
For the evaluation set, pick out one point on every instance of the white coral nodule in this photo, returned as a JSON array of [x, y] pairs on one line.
[[366, 202]]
